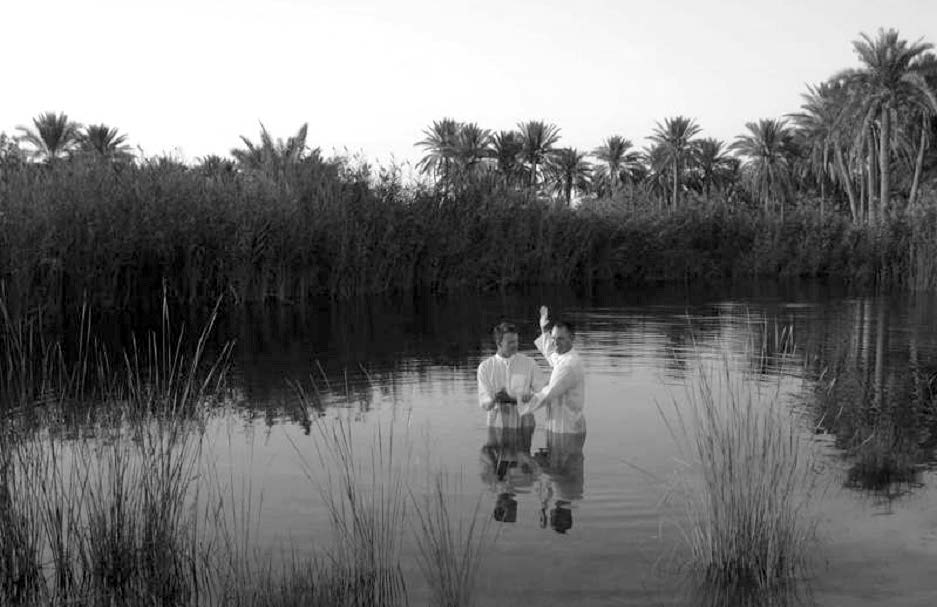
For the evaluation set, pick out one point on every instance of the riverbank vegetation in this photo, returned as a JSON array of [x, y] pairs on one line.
[[842, 188]]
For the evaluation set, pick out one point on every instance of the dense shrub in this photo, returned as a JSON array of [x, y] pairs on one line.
[[116, 236]]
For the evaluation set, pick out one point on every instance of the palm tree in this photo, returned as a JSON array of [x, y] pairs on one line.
[[537, 141], [712, 163], [675, 138], [928, 68], [569, 170], [52, 135], [472, 149], [506, 147], [273, 158], [823, 125], [657, 160], [768, 151], [616, 158], [105, 142], [10, 151], [440, 143], [890, 76], [214, 165]]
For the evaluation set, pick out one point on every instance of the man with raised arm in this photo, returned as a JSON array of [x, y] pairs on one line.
[[565, 394], [505, 379]]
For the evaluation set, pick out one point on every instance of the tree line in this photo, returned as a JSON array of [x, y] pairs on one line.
[[859, 138], [842, 188]]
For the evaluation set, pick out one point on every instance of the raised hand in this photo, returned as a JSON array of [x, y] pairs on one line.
[[544, 316]]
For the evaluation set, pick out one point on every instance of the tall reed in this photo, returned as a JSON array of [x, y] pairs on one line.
[[365, 496], [97, 491], [451, 550], [116, 237], [750, 483]]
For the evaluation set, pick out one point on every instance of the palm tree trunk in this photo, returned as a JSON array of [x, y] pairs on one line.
[[765, 192], [863, 202], [822, 196], [884, 159], [847, 182], [919, 161], [631, 201], [676, 183], [870, 166]]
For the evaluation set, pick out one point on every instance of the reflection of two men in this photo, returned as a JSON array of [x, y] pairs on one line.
[[511, 388], [561, 483]]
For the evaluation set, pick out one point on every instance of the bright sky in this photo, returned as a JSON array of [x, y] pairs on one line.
[[188, 77]]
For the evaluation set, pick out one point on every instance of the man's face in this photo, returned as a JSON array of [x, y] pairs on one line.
[[508, 346], [562, 339]]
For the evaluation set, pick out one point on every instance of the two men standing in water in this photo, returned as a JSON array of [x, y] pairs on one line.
[[511, 388], [511, 385]]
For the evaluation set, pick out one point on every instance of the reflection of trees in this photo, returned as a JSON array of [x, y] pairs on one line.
[[877, 398]]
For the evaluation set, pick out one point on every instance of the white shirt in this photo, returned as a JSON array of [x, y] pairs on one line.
[[565, 395], [517, 374]]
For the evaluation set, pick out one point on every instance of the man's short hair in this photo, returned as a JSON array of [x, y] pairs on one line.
[[501, 329], [562, 324]]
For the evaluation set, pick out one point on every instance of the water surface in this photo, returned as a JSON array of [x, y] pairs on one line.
[[590, 527]]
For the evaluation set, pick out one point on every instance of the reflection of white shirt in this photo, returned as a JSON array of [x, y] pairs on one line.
[[565, 395], [517, 374]]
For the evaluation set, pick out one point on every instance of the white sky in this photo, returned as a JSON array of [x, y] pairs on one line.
[[188, 77]]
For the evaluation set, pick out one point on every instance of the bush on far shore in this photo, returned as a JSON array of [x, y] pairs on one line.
[[121, 236]]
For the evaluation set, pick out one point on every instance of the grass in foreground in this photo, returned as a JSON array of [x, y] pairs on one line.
[[450, 550], [98, 468], [750, 482], [114, 504]]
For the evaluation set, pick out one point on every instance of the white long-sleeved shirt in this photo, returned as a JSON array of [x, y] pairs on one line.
[[565, 394], [517, 374]]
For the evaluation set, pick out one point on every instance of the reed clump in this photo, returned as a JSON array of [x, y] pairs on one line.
[[883, 458], [98, 468], [365, 497], [368, 494], [749, 484], [451, 549]]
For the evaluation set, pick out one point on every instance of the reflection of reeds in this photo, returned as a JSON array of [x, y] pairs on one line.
[[885, 425], [883, 459], [752, 481], [450, 551]]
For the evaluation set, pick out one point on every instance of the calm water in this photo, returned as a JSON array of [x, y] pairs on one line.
[[410, 364]]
